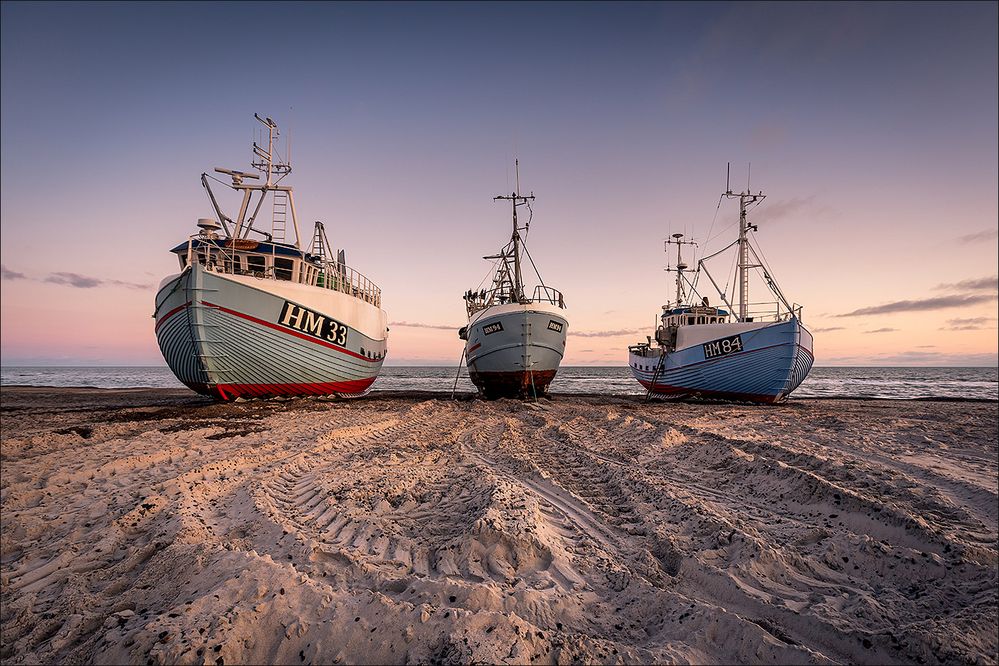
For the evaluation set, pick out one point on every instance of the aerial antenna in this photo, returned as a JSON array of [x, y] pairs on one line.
[[749, 173], [681, 265], [728, 179], [516, 199]]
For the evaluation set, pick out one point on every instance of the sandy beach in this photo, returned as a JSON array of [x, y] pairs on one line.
[[151, 526]]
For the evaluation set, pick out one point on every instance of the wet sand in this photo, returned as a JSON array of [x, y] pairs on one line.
[[153, 526]]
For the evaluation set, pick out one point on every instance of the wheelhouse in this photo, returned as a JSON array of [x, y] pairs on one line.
[[692, 316]]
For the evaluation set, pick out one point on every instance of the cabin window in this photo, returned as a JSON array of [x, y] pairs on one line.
[[231, 264], [690, 320], [700, 320], [283, 268], [255, 264], [362, 351]]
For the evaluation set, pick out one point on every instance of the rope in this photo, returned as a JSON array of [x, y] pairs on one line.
[[460, 362], [527, 325]]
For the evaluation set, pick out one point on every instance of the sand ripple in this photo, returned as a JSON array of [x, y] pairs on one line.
[[150, 527]]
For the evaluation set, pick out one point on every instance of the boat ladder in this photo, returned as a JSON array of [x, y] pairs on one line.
[[655, 375], [279, 219]]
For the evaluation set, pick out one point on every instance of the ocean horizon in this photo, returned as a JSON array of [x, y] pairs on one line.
[[882, 382]]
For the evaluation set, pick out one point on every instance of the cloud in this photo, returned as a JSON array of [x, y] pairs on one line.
[[8, 274], [915, 358], [826, 330], [605, 334], [937, 303], [969, 324], [986, 235], [938, 359], [73, 280], [130, 285], [977, 284], [797, 206], [882, 330], [407, 324], [88, 282]]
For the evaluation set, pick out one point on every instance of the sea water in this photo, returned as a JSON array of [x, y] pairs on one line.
[[828, 382]]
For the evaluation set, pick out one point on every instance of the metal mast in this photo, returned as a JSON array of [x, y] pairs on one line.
[[745, 198], [266, 166], [680, 265], [517, 200]]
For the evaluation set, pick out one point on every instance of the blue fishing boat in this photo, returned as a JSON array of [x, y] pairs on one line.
[[755, 352]]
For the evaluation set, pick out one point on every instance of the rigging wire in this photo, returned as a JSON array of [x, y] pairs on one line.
[[731, 276], [536, 271], [720, 233], [492, 271], [221, 182], [527, 227], [712, 226]]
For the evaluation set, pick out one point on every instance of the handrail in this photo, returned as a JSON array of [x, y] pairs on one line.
[[548, 295], [330, 275], [480, 300]]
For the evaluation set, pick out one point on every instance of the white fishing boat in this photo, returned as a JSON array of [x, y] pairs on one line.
[[756, 352], [514, 342], [262, 316]]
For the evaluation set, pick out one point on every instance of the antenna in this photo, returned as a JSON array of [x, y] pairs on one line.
[[516, 199], [681, 266], [728, 179], [746, 199]]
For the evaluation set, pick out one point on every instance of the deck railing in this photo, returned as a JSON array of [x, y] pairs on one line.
[[343, 278], [771, 311], [543, 294], [475, 301], [334, 276]]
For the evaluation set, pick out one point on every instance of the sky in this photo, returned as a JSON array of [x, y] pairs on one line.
[[871, 127]]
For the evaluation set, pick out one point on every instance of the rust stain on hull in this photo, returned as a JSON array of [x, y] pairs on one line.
[[512, 384]]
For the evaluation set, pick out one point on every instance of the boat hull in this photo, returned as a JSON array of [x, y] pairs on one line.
[[515, 350], [772, 362], [235, 337]]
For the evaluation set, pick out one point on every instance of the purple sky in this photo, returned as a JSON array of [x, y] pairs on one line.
[[871, 127]]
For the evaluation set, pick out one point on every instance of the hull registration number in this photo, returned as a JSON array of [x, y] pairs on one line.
[[722, 347]]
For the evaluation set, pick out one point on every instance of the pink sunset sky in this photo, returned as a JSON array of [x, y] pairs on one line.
[[871, 128]]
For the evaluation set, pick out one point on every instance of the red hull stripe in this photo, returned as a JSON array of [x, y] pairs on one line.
[[303, 336], [233, 391], [170, 314], [474, 347]]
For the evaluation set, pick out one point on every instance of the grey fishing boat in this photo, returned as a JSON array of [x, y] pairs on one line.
[[514, 342]]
